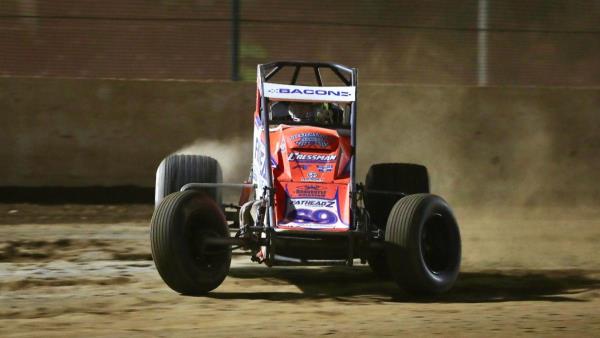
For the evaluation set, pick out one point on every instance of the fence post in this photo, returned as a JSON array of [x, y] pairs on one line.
[[482, 43], [235, 40]]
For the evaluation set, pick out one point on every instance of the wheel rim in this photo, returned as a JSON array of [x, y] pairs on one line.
[[439, 247], [206, 257]]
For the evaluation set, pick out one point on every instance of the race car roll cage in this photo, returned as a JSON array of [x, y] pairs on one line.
[[359, 238], [267, 71]]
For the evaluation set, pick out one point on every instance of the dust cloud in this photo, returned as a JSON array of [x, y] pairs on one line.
[[234, 155], [484, 147], [488, 147]]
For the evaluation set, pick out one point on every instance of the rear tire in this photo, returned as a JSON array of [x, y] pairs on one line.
[[177, 229], [406, 178], [175, 171], [395, 177], [423, 246]]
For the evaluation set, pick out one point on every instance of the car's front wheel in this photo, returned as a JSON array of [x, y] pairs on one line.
[[179, 227], [423, 247]]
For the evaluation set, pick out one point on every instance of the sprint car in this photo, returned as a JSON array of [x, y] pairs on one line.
[[303, 204]]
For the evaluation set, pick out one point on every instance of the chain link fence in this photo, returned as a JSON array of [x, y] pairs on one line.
[[462, 42]]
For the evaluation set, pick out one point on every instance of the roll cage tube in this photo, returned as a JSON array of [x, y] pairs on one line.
[[349, 76], [270, 69]]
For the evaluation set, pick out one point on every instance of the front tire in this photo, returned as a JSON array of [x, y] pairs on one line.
[[423, 245], [178, 227]]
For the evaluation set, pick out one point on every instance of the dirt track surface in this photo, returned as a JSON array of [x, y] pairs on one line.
[[537, 275]]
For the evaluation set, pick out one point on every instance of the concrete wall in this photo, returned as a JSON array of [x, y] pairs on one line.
[[516, 146], [88, 132]]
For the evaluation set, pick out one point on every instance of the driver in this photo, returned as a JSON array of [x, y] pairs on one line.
[[307, 112]]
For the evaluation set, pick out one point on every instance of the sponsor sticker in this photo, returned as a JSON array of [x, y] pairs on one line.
[[307, 93], [313, 203], [327, 168], [310, 191], [308, 179], [313, 211], [310, 140], [312, 176], [320, 216], [294, 156], [259, 158]]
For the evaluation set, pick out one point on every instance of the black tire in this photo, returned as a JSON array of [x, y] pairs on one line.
[[179, 224], [175, 171], [396, 177], [423, 246]]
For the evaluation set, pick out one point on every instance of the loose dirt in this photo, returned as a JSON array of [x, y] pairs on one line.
[[63, 275]]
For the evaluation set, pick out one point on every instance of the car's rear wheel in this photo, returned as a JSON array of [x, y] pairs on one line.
[[423, 245], [406, 178], [175, 171], [180, 225], [390, 177]]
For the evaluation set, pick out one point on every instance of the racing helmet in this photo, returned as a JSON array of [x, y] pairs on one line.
[[308, 112]]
